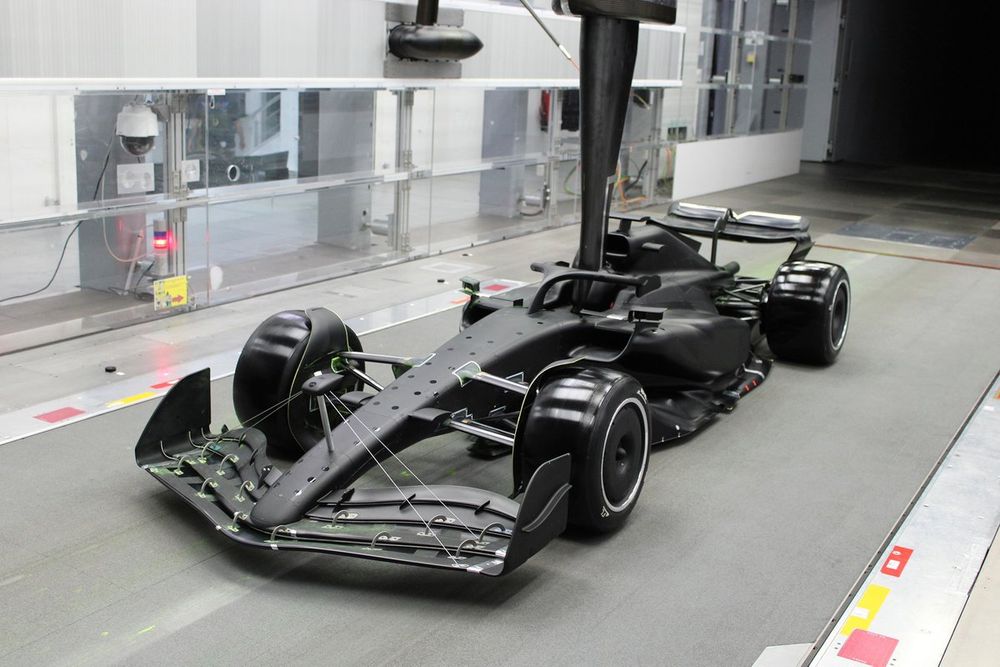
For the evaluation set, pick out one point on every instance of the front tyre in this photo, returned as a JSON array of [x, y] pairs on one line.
[[807, 311], [601, 417], [278, 357]]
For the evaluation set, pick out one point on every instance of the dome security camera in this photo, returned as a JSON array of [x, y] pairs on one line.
[[138, 128]]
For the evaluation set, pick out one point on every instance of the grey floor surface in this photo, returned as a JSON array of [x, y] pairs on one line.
[[746, 535]]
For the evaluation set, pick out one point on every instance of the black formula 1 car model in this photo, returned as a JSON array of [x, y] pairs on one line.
[[641, 340]]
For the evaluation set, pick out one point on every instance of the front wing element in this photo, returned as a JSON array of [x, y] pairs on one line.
[[453, 527]]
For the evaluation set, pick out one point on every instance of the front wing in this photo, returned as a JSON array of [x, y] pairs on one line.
[[452, 527]]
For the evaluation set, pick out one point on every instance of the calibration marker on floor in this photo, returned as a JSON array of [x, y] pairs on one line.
[[905, 611], [25, 422]]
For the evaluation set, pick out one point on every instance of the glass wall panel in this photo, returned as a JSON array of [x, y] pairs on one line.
[[64, 280], [238, 192], [748, 49], [336, 133], [252, 136], [260, 245]]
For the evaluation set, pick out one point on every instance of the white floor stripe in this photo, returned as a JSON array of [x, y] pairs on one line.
[[24, 422]]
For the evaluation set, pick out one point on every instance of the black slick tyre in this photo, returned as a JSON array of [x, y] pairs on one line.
[[601, 417], [806, 312], [278, 357]]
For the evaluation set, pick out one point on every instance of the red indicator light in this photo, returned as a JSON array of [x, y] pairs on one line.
[[163, 241]]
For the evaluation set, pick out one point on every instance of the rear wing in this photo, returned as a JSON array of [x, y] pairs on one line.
[[717, 222]]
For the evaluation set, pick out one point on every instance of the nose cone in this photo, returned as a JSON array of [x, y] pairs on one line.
[[433, 42]]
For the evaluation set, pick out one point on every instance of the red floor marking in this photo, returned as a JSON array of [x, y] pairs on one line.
[[868, 648], [901, 256], [163, 385], [495, 287], [59, 415], [997, 396], [896, 561]]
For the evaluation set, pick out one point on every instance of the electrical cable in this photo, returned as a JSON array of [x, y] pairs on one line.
[[76, 227], [58, 265], [566, 180], [104, 221], [123, 260], [633, 181], [104, 169], [138, 281], [555, 40]]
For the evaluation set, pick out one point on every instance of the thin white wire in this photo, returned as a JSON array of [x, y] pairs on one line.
[[267, 412], [389, 477], [419, 481]]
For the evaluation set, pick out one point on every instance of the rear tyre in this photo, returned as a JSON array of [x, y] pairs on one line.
[[601, 417], [278, 357], [807, 311]]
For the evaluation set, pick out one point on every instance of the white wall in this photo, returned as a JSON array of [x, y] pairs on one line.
[[37, 164], [272, 38], [81, 38], [720, 164]]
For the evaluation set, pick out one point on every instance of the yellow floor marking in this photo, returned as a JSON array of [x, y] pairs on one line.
[[864, 613], [134, 398]]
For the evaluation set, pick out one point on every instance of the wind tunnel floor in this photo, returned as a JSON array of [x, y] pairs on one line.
[[746, 535]]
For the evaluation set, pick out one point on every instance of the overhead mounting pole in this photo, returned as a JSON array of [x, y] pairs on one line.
[[427, 12], [607, 59], [609, 39]]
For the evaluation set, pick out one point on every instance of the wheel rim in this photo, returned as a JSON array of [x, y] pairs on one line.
[[625, 455], [840, 314]]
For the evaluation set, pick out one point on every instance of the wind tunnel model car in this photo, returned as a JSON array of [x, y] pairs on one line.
[[640, 341]]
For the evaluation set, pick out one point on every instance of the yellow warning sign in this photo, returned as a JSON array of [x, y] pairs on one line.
[[170, 293]]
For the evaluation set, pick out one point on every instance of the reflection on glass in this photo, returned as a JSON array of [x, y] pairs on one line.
[[253, 190]]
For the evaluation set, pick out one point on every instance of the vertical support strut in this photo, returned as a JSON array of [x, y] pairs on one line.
[[176, 184], [652, 175], [399, 231], [732, 76], [607, 61], [793, 19], [552, 180], [324, 417]]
